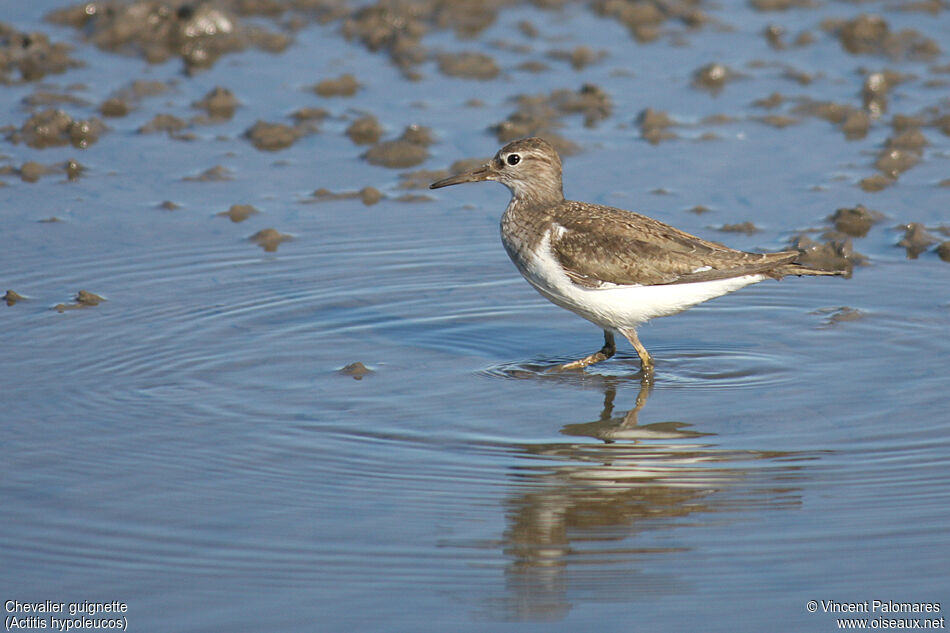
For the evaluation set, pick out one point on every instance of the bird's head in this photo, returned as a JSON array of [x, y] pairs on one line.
[[529, 167]]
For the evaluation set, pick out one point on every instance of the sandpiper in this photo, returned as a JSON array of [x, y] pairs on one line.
[[615, 268]]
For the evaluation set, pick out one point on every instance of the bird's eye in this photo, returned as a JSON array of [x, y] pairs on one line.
[[513, 159]]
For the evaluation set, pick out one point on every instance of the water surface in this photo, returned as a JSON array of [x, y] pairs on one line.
[[189, 446]]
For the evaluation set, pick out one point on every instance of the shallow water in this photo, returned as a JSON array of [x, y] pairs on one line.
[[190, 447]]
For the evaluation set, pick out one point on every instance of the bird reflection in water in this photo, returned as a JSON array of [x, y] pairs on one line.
[[586, 518]]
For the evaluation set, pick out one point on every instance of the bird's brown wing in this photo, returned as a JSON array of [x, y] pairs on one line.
[[598, 245]]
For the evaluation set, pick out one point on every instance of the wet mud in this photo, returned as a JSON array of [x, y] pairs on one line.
[[12, 297], [270, 239], [83, 299], [54, 128], [239, 212], [356, 370]]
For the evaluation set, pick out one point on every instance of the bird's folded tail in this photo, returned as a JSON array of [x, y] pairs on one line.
[[801, 270]]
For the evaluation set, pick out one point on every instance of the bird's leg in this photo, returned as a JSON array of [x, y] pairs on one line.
[[608, 350], [646, 361]]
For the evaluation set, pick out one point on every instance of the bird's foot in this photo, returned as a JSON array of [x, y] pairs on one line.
[[587, 361]]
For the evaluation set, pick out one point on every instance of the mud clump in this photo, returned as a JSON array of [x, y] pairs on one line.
[[168, 124], [538, 115], [943, 251], [892, 162], [239, 212], [833, 255], [218, 173], [911, 140], [12, 297], [713, 77], [877, 182], [777, 120], [269, 239], [841, 314], [124, 101], [410, 149], [356, 370], [385, 26], [74, 170], [854, 122], [743, 227], [199, 34], [31, 171], [84, 299], [168, 205], [770, 102], [855, 221], [645, 18], [580, 57], [31, 56], [272, 137], [871, 35], [655, 126], [916, 239], [874, 92], [309, 116], [114, 107], [365, 130], [53, 128], [781, 5], [343, 86], [220, 104], [468, 65], [367, 195]]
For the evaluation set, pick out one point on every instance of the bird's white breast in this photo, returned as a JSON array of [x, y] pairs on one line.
[[612, 306]]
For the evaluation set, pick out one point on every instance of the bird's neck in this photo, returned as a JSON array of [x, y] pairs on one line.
[[529, 195]]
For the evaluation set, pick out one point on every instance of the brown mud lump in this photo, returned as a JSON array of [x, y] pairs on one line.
[[833, 255], [654, 126], [272, 136], [712, 77], [743, 227], [468, 65], [408, 150], [365, 130], [579, 57], [73, 169], [218, 173], [855, 221], [12, 297], [115, 107], [198, 33], [356, 370], [31, 56], [916, 239], [911, 139], [30, 171], [239, 212], [343, 86], [84, 299], [220, 103], [167, 123], [894, 162], [52, 128], [269, 239], [877, 182]]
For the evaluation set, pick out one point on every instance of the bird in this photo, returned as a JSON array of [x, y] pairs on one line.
[[618, 269]]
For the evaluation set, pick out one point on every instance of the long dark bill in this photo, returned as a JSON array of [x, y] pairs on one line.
[[473, 175]]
